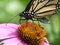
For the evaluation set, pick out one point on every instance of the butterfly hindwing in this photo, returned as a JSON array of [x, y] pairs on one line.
[[44, 20]]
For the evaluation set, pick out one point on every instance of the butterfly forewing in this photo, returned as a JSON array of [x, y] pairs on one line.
[[31, 9], [52, 2], [34, 4], [40, 5], [43, 8], [47, 8], [46, 13]]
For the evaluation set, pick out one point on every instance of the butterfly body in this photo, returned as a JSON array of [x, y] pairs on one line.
[[27, 15], [39, 9]]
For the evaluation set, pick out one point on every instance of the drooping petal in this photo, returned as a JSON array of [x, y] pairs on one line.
[[13, 41], [45, 43], [8, 30]]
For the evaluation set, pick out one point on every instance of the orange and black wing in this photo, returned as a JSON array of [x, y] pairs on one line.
[[43, 8]]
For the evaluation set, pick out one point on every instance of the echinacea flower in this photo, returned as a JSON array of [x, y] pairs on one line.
[[24, 34]]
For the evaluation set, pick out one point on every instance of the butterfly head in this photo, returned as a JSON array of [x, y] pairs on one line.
[[26, 15]]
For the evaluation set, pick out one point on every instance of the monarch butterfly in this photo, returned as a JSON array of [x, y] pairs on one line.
[[39, 9]]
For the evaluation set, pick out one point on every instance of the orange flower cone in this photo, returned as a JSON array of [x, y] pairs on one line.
[[31, 33]]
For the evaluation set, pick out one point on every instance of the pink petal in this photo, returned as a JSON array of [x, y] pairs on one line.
[[13, 41], [8, 30], [9, 25], [45, 43]]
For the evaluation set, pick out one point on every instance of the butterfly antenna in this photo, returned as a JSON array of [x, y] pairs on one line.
[[11, 19]]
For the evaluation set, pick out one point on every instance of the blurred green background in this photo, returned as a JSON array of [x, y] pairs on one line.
[[9, 13]]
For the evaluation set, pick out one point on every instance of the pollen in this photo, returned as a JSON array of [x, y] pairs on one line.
[[31, 33]]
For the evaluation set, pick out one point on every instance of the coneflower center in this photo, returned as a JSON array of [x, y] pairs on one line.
[[31, 34]]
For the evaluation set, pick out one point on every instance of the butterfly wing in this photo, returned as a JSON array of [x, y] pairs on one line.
[[44, 20], [43, 8], [29, 5], [58, 4]]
